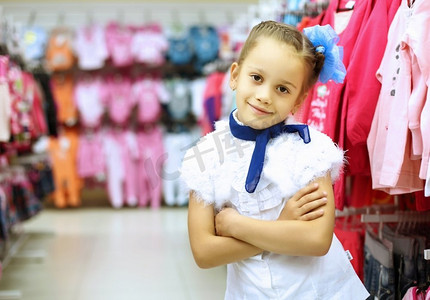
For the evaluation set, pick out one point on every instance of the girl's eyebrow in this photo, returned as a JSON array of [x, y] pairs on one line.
[[288, 83]]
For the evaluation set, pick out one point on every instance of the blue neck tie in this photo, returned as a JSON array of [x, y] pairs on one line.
[[261, 138]]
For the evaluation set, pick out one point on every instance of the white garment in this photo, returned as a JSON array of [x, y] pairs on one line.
[[90, 47], [216, 169], [88, 99], [174, 190], [115, 170]]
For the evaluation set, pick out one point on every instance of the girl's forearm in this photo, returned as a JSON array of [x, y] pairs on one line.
[[216, 251], [291, 237], [210, 250], [301, 238]]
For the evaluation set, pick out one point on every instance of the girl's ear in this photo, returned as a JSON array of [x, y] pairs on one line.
[[234, 73], [299, 102]]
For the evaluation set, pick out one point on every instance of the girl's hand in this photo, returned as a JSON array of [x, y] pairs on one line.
[[224, 221], [306, 205]]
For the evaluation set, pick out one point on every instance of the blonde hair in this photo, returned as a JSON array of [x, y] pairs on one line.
[[313, 60]]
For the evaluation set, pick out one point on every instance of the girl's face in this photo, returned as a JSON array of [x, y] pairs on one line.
[[268, 83]]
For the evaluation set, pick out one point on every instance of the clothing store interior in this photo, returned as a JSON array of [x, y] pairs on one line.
[[99, 100]]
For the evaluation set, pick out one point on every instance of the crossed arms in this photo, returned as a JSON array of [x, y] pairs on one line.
[[304, 228]]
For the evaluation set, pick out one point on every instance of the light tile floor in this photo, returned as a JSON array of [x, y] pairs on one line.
[[107, 254]]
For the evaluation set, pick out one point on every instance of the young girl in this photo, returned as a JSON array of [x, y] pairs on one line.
[[242, 175]]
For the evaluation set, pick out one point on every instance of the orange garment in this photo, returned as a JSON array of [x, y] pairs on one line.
[[62, 88], [59, 50], [63, 151]]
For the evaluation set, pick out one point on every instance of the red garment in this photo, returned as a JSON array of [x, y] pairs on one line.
[[362, 87], [353, 241], [322, 109], [362, 193], [422, 203], [33, 94], [212, 103]]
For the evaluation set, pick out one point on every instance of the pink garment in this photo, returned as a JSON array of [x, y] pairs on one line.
[[89, 161], [5, 100], [18, 103], [389, 141], [413, 293], [152, 157], [415, 46], [416, 64], [149, 45], [149, 94], [118, 41], [117, 96], [87, 95], [90, 47]]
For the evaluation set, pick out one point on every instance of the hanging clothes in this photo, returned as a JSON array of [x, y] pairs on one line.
[[62, 89], [395, 168], [90, 47], [63, 151], [152, 157], [322, 109], [59, 53]]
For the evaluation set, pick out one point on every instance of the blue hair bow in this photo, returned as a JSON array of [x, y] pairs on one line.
[[324, 39]]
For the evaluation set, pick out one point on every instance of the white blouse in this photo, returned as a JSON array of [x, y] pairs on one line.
[[216, 169]]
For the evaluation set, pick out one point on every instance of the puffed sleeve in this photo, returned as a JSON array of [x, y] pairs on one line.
[[196, 171], [292, 164]]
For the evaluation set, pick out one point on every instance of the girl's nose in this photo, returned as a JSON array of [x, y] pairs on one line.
[[263, 94]]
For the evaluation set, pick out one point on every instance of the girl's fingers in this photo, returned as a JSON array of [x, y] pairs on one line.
[[311, 197], [312, 215], [305, 191], [312, 206]]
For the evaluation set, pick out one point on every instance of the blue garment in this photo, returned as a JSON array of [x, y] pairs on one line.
[[205, 44], [180, 50], [261, 138], [379, 278], [34, 40]]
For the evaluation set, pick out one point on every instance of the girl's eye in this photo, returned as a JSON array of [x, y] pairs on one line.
[[257, 78], [283, 90]]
